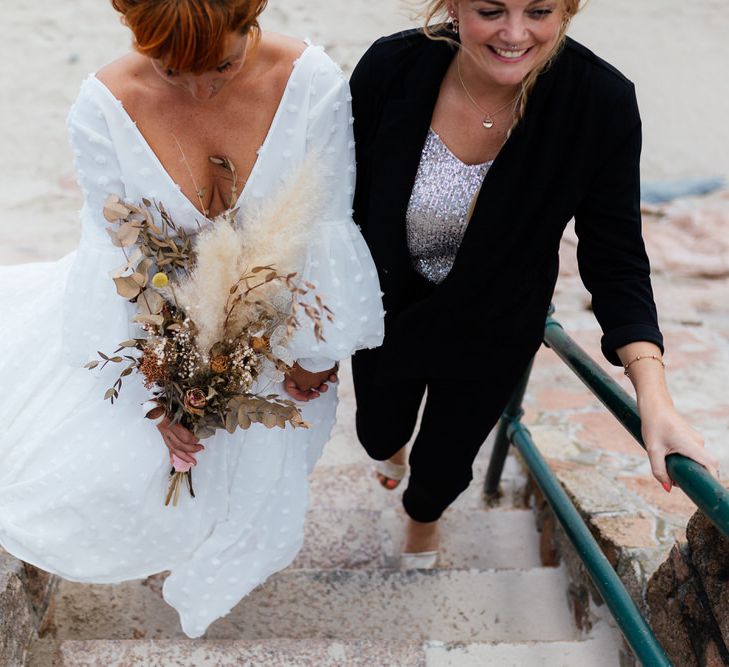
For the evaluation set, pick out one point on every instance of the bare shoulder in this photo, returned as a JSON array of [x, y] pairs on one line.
[[126, 76], [280, 49]]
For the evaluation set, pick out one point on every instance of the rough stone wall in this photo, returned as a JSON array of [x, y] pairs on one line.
[[684, 593], [688, 597], [26, 596]]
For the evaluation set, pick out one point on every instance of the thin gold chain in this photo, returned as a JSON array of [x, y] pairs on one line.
[[487, 116]]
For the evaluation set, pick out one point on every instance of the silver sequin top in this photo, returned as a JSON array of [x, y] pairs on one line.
[[437, 214]]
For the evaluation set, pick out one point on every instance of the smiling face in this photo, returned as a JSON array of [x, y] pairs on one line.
[[506, 39], [206, 85]]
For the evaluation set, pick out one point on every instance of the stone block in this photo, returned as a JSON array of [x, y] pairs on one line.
[[39, 587], [688, 597], [16, 619], [666, 609], [554, 442], [625, 530], [600, 430], [593, 492], [709, 551], [676, 502]]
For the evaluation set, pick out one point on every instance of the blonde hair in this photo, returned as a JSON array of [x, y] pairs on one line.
[[435, 15]]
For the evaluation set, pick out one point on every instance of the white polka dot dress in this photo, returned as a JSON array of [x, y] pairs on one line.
[[82, 482]]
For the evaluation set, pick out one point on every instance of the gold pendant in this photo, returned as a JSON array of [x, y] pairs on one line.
[[487, 122]]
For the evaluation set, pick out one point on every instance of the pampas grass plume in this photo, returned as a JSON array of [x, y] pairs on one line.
[[276, 233]]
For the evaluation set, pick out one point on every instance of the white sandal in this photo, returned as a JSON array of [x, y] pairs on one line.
[[424, 560], [388, 472]]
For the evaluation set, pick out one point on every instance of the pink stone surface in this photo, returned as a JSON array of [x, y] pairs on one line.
[[676, 502], [564, 399], [600, 430], [626, 531]]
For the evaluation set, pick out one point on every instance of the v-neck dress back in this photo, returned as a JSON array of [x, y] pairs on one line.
[[82, 482]]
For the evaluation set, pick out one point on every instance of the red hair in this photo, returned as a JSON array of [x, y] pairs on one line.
[[188, 35]]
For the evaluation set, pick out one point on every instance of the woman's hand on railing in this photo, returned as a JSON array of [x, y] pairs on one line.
[[665, 432]]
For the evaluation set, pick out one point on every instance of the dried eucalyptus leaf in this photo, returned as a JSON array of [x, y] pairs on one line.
[[114, 237], [127, 287], [128, 233], [231, 422], [144, 266], [150, 302], [269, 419], [115, 210], [92, 364], [156, 320]]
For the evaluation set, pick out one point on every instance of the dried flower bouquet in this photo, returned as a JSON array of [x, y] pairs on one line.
[[216, 310]]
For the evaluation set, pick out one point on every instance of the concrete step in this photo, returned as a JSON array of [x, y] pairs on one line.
[[593, 652], [368, 539], [353, 485], [217, 653], [601, 649], [445, 605]]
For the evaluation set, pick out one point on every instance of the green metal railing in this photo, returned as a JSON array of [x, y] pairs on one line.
[[694, 480]]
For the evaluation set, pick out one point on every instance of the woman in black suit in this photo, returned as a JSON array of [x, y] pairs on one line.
[[478, 138]]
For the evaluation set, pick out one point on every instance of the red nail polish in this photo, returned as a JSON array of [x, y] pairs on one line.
[[667, 486]]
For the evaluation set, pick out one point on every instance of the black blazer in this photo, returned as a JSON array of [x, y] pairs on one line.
[[575, 153]]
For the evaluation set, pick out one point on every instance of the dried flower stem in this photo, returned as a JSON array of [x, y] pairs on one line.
[[198, 191]]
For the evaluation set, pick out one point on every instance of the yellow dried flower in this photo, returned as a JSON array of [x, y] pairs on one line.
[[160, 280]]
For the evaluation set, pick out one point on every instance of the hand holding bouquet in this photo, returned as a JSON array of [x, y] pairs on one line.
[[216, 311]]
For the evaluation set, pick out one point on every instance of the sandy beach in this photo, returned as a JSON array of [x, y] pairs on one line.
[[48, 48]]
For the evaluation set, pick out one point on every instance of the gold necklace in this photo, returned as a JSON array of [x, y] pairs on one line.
[[488, 118]]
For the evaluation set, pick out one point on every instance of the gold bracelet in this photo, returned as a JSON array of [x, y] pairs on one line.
[[643, 356]]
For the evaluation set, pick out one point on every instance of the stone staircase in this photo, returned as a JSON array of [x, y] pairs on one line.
[[344, 602]]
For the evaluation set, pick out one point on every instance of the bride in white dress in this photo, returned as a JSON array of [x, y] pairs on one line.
[[82, 482]]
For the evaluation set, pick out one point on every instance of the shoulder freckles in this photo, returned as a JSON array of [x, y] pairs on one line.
[[122, 76], [281, 48]]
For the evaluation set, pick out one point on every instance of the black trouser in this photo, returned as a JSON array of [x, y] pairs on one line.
[[457, 418], [458, 415]]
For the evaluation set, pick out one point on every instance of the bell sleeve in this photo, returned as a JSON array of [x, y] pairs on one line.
[[94, 316], [338, 262]]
